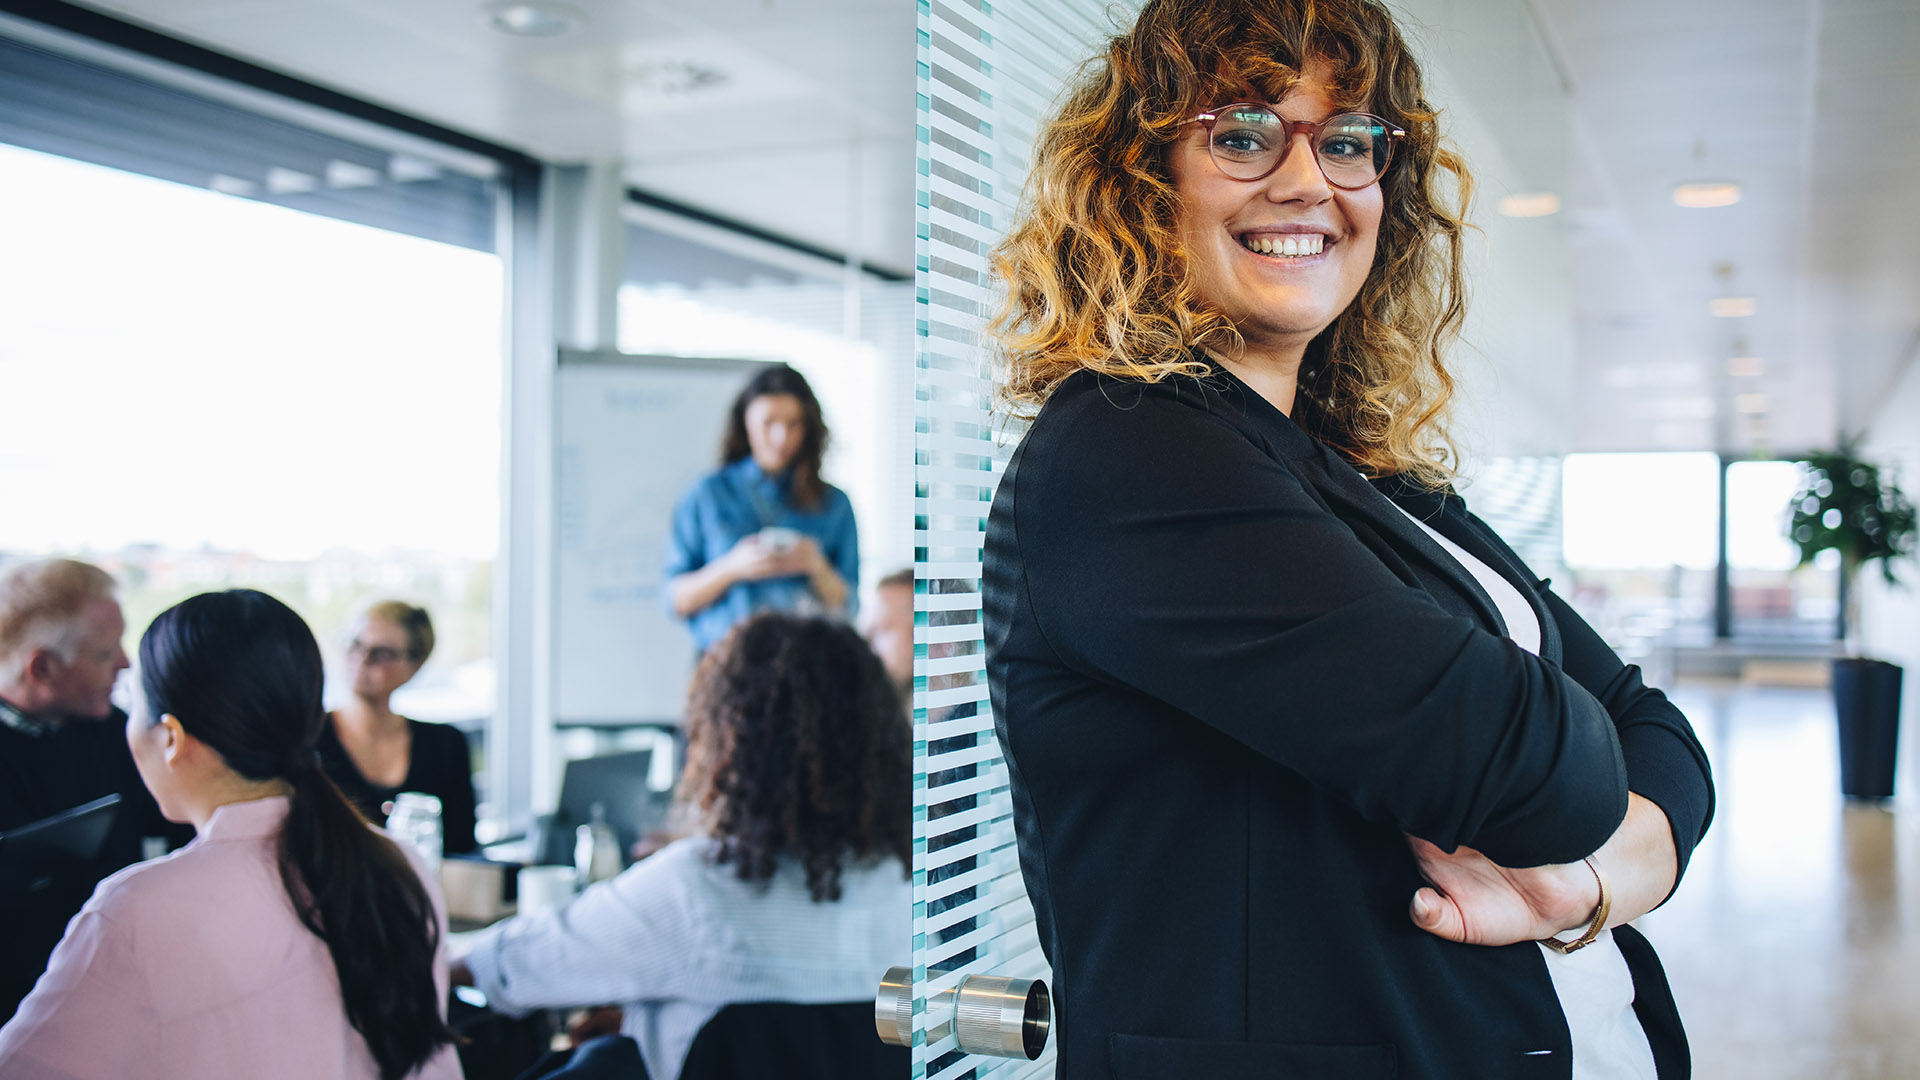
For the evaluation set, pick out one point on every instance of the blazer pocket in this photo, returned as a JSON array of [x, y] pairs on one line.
[[1146, 1057]]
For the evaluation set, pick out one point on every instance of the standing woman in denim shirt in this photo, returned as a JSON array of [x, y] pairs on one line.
[[764, 530]]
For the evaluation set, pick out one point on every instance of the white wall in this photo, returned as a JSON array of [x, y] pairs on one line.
[[1891, 615], [1504, 109]]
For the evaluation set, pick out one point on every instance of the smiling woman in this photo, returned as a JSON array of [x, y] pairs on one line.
[[1243, 637], [1122, 293]]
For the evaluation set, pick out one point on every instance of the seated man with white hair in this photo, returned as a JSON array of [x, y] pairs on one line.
[[62, 744]]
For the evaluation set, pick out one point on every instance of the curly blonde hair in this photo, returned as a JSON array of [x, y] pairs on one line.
[[1093, 267]]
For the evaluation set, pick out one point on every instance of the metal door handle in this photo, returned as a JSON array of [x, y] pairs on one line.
[[993, 1015]]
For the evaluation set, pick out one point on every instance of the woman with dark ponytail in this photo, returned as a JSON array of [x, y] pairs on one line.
[[290, 939]]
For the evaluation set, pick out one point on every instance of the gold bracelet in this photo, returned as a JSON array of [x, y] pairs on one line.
[[1600, 914]]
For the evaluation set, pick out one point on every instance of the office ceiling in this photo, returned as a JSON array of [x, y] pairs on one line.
[[1810, 106], [796, 116], [786, 114]]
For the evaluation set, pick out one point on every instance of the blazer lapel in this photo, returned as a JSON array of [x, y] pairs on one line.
[[1339, 483], [1446, 513]]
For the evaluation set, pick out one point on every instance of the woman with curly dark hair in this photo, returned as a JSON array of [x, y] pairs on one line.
[[794, 888]]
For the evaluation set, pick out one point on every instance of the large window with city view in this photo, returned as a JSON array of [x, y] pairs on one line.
[[206, 391]]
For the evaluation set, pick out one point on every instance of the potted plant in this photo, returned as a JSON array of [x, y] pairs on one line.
[[1850, 506]]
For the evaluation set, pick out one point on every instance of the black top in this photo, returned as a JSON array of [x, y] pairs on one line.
[[1228, 675], [72, 763], [441, 766]]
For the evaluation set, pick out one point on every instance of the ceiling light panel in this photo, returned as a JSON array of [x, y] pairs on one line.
[[1530, 204], [1706, 196], [534, 19]]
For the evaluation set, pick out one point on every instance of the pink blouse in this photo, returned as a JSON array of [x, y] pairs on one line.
[[195, 967]]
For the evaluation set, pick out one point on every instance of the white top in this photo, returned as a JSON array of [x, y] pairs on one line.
[[676, 937], [196, 967], [1594, 985]]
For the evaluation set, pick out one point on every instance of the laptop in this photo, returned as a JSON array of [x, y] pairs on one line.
[[618, 784], [32, 853]]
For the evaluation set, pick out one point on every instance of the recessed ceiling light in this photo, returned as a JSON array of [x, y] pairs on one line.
[[1746, 366], [233, 185], [351, 174], [1750, 403], [1732, 307], [534, 18], [284, 181], [1704, 196], [1530, 204]]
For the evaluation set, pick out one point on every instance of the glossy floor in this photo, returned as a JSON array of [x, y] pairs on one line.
[[1794, 944]]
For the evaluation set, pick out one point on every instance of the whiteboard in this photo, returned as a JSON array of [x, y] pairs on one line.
[[631, 435]]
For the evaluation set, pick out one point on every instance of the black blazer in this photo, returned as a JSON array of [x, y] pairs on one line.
[[1228, 675]]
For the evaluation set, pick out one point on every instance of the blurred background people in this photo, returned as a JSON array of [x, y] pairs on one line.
[[888, 627], [61, 745], [289, 939], [374, 753], [764, 531], [796, 887]]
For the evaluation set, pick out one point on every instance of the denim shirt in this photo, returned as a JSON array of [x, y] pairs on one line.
[[736, 501]]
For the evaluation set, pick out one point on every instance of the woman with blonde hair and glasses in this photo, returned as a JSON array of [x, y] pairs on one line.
[[372, 752], [1312, 776]]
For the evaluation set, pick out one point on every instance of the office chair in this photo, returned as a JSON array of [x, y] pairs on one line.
[[778, 1040]]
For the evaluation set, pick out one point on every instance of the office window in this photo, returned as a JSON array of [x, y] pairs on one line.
[[1641, 536], [74, 108], [1771, 597], [212, 385]]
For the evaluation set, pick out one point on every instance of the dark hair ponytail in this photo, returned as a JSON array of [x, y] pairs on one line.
[[242, 673]]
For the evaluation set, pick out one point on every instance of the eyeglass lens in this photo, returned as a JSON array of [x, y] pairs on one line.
[[1248, 143], [375, 654]]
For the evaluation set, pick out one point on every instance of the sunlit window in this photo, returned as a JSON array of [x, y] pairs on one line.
[[205, 391], [1757, 496], [1770, 597], [1642, 511]]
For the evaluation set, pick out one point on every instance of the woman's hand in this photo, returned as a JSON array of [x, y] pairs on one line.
[[1479, 902], [752, 558], [595, 1022], [826, 581], [1476, 901]]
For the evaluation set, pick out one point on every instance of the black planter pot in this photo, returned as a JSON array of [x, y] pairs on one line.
[[1866, 695]]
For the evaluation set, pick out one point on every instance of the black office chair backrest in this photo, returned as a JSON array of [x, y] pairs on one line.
[[778, 1040]]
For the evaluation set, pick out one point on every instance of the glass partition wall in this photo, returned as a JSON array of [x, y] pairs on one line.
[[987, 74]]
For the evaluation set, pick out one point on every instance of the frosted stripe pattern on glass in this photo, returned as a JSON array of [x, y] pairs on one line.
[[988, 74], [1520, 498]]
